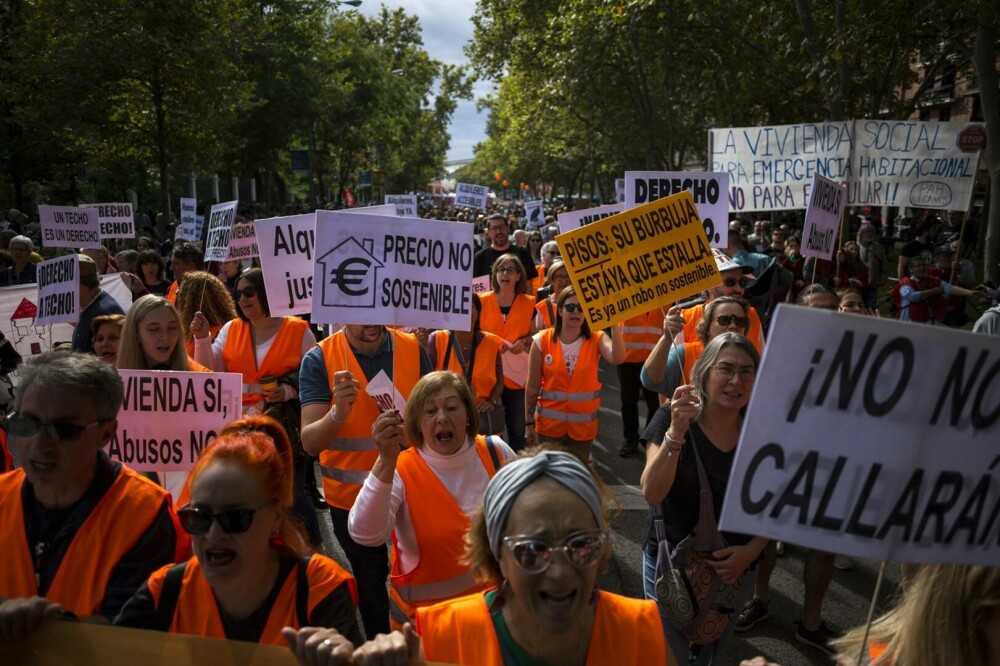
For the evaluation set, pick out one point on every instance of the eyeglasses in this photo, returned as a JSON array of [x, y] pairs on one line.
[[733, 282], [552, 253], [728, 320], [745, 372], [234, 521], [246, 292], [560, 277], [507, 269], [25, 426], [572, 307], [535, 555]]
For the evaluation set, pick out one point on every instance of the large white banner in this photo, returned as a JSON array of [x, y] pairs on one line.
[[473, 196], [168, 417], [884, 163], [286, 258], [708, 189], [873, 438], [115, 220], [220, 229], [188, 228], [376, 270], [58, 290], [826, 205], [68, 226], [574, 219], [534, 213], [405, 204]]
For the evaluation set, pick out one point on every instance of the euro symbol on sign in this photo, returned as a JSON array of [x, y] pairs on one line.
[[347, 277]]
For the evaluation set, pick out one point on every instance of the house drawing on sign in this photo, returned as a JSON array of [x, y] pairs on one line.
[[350, 274], [22, 322]]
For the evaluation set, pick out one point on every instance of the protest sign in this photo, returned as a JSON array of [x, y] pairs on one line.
[[286, 259], [884, 163], [168, 417], [115, 220], [826, 205], [188, 228], [620, 190], [473, 196], [58, 290], [535, 214], [873, 438], [199, 226], [405, 204], [481, 284], [66, 226], [243, 242], [708, 189], [646, 257], [220, 228], [376, 270], [574, 219]]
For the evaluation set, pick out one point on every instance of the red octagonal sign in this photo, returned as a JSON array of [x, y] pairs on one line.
[[972, 138]]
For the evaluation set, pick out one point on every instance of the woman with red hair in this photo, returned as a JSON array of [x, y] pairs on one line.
[[252, 574]]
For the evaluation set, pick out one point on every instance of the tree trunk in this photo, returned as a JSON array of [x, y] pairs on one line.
[[985, 59]]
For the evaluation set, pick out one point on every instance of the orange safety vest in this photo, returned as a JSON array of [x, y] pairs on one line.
[[440, 526], [568, 405], [626, 632], [172, 292], [282, 357], [517, 325], [547, 311], [641, 334], [115, 525], [484, 369], [693, 315], [539, 281], [197, 612], [351, 456]]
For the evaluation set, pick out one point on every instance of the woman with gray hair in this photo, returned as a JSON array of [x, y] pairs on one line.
[[690, 447], [24, 270]]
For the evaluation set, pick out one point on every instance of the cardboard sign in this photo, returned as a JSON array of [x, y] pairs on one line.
[[646, 257], [188, 229], [115, 220], [873, 438], [67, 226], [168, 417], [286, 259], [396, 271], [243, 242], [884, 163], [708, 189], [826, 205], [58, 290], [220, 229], [472, 196], [535, 214], [405, 204], [384, 393], [574, 219]]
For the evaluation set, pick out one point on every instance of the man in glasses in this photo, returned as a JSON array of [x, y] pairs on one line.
[[498, 233], [78, 529]]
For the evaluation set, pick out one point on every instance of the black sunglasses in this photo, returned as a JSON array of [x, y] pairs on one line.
[[235, 521], [246, 292], [729, 320], [25, 426], [732, 282], [572, 307]]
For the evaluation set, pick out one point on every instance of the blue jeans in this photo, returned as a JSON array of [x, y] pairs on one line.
[[513, 405], [679, 645]]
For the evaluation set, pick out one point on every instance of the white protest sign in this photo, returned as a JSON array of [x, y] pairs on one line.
[[199, 226], [115, 220], [188, 228], [574, 219], [243, 242], [377, 270], [826, 205], [220, 227], [481, 284], [58, 290], [884, 162], [473, 196], [405, 204], [385, 394], [534, 213], [619, 190], [708, 189], [846, 447], [286, 258], [168, 417], [66, 226]]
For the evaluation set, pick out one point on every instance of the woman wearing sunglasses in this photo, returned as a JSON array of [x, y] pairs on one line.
[[422, 496], [670, 365], [563, 391], [205, 293], [252, 574], [541, 539], [267, 351], [556, 280]]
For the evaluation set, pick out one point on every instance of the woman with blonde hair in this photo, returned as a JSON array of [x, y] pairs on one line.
[[151, 336], [203, 292]]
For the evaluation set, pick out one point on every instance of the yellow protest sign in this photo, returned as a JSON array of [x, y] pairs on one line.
[[646, 257]]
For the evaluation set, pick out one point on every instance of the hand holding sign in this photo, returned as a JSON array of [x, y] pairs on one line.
[[673, 323], [683, 410], [199, 326], [387, 431], [345, 393]]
